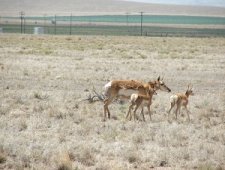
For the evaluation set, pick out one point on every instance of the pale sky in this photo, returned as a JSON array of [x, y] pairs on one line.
[[218, 3]]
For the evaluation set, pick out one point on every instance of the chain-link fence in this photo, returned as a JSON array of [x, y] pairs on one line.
[[133, 24]]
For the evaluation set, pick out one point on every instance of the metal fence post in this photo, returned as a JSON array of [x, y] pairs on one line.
[[71, 24], [21, 21], [55, 26], [44, 23], [24, 25], [127, 21], [141, 21]]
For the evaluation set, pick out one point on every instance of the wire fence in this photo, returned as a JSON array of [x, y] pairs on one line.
[[130, 24]]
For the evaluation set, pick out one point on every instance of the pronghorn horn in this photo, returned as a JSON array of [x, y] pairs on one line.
[[189, 86], [158, 78]]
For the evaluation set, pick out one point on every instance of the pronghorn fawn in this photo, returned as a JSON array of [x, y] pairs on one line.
[[181, 99], [124, 88], [141, 100]]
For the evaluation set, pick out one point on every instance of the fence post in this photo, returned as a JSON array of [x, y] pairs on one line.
[[141, 21], [1, 26], [44, 23], [55, 25], [24, 25], [127, 18], [127, 21], [21, 21], [71, 24]]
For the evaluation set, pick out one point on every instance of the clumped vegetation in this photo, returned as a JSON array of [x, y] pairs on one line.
[[48, 122], [2, 158]]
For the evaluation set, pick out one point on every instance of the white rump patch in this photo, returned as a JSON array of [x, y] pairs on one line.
[[133, 97], [173, 99], [107, 87], [109, 84]]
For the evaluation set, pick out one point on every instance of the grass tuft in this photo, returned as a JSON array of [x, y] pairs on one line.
[[2, 158]]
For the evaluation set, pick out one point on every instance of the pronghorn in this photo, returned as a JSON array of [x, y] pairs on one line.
[[124, 88], [141, 100], [181, 99]]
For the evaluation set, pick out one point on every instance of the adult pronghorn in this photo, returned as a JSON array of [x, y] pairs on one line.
[[124, 88], [181, 99]]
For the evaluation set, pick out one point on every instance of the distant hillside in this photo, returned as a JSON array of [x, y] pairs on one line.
[[89, 7], [216, 3]]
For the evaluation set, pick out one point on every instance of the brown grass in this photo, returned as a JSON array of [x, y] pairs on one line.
[[42, 112], [2, 158], [64, 162]]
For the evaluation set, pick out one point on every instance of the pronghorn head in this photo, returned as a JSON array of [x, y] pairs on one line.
[[189, 91], [161, 85]]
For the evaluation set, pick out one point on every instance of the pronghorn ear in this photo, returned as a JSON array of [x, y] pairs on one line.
[[158, 78], [189, 86]]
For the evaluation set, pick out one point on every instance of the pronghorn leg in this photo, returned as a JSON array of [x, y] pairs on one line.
[[149, 112], [134, 115], [111, 94], [130, 117], [172, 104], [129, 111], [106, 109], [142, 112], [171, 107], [178, 107], [108, 113], [137, 105], [188, 113]]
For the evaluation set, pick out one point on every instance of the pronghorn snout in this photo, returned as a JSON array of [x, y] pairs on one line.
[[165, 88]]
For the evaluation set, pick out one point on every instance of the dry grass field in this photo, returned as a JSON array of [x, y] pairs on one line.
[[44, 124]]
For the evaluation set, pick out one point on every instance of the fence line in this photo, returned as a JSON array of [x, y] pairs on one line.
[[134, 24]]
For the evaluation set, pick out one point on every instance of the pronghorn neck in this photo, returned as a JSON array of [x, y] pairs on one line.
[[153, 85], [187, 93]]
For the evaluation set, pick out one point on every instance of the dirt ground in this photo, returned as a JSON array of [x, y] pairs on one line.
[[45, 124]]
